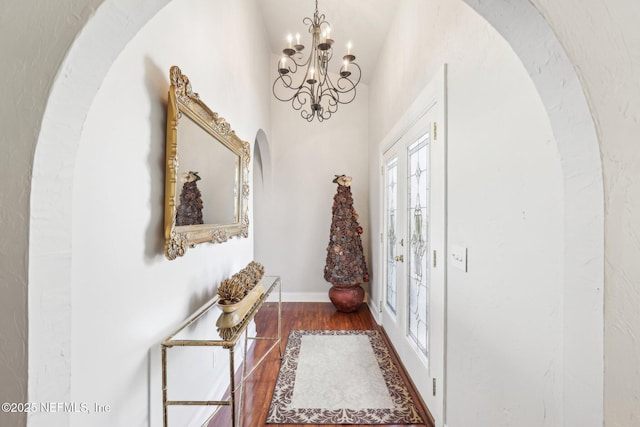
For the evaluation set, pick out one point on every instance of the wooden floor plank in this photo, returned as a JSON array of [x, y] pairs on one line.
[[300, 316]]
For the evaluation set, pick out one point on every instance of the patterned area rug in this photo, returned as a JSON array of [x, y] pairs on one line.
[[340, 377]]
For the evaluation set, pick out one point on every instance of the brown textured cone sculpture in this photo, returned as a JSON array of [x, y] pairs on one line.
[[189, 211], [346, 267]]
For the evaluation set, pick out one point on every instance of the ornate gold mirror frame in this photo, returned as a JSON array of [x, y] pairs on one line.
[[211, 204]]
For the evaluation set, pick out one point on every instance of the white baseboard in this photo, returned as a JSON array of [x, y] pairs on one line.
[[220, 384], [315, 297], [301, 297], [377, 316]]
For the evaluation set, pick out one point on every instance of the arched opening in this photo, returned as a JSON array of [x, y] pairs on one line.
[[261, 188], [560, 89], [50, 228]]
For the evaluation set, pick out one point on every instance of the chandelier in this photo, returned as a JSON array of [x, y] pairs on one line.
[[307, 83]]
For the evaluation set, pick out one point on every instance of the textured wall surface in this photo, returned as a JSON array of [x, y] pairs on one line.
[[559, 87], [505, 204], [50, 234], [35, 37], [603, 41], [599, 36], [119, 315], [64, 318], [305, 157]]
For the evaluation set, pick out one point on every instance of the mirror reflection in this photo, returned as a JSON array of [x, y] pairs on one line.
[[208, 174], [207, 171]]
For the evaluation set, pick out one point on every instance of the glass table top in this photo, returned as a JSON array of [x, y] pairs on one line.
[[210, 326]]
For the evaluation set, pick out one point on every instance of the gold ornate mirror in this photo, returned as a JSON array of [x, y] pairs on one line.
[[207, 167]]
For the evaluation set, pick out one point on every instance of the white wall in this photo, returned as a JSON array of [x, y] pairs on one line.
[[304, 159], [505, 204], [33, 44], [603, 41], [574, 129], [47, 83], [126, 296]]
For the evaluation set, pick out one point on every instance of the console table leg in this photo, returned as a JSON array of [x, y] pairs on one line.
[[232, 382], [280, 318], [244, 376], [165, 419]]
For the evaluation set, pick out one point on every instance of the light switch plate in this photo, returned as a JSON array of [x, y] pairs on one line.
[[459, 257]]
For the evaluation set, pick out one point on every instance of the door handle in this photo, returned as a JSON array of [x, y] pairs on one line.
[[400, 258]]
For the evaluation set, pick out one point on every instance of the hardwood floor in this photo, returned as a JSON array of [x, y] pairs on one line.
[[259, 386]]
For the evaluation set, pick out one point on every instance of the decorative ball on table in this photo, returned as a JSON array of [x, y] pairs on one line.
[[239, 293], [231, 290], [345, 266]]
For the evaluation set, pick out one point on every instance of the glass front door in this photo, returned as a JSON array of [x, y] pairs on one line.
[[414, 242]]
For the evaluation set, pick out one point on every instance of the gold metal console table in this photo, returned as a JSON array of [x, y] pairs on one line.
[[190, 334]]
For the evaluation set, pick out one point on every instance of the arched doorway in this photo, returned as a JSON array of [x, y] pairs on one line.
[[558, 85], [261, 188], [560, 89]]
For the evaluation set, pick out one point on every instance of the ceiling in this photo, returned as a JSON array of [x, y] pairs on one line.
[[363, 22]]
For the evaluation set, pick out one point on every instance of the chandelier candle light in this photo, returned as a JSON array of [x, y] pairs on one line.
[[312, 91]]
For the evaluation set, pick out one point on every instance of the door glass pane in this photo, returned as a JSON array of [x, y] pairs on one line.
[[392, 215], [418, 220]]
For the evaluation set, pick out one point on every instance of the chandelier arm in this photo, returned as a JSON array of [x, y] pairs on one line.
[[328, 108], [351, 96], [308, 21], [332, 105], [346, 84], [329, 83], [299, 64], [359, 73], [303, 90], [333, 97], [307, 116], [326, 83], [284, 86], [292, 69], [330, 94], [297, 103], [321, 84], [303, 95], [286, 82], [345, 87], [326, 53], [326, 115]]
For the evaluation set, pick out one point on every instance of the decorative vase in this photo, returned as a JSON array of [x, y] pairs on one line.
[[346, 298], [246, 303]]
